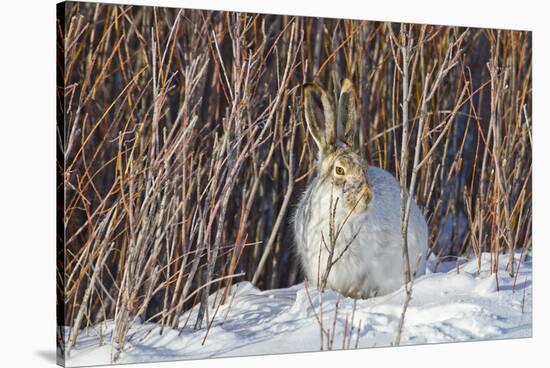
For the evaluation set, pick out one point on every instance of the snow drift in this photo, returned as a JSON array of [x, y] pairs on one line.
[[452, 302]]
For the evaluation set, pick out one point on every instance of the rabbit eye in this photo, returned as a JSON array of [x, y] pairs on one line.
[[339, 170]]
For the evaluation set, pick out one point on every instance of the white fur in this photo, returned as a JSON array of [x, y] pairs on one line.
[[372, 264]]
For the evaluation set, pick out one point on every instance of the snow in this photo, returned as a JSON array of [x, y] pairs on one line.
[[452, 304]]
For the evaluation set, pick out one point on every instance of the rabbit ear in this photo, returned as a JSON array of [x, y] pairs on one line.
[[347, 113], [319, 114]]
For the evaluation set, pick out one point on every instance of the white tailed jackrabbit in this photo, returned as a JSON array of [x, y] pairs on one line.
[[348, 220]]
